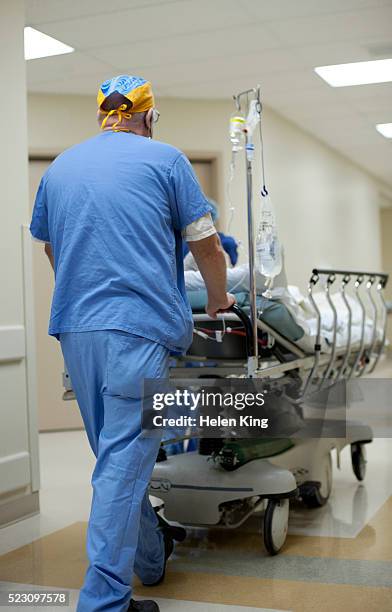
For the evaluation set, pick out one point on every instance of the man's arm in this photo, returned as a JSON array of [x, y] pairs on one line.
[[210, 258], [49, 253]]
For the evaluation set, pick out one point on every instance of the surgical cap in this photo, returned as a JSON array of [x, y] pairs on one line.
[[137, 90]]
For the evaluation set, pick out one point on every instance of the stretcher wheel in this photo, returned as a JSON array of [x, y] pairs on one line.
[[276, 521], [358, 460], [318, 495], [228, 459]]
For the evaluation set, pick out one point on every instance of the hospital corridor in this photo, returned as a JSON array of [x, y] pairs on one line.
[[196, 306]]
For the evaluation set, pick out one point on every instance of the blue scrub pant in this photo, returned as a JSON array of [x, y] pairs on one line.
[[107, 369]]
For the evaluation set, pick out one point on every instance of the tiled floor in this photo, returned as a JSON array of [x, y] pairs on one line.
[[337, 558]]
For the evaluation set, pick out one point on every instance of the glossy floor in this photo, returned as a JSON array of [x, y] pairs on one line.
[[338, 558]]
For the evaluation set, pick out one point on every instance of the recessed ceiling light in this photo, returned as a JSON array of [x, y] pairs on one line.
[[357, 73], [385, 129], [37, 44]]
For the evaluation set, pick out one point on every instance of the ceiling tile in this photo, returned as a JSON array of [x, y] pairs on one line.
[[147, 23], [71, 64], [222, 91], [310, 56], [317, 97], [360, 25], [379, 91], [191, 47], [45, 11], [268, 10], [255, 67]]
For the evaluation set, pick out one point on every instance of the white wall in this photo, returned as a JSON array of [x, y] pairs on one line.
[[327, 207], [18, 434]]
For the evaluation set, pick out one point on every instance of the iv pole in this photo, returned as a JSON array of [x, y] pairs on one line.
[[249, 150]]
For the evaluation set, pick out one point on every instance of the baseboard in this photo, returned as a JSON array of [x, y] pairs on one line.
[[19, 508]]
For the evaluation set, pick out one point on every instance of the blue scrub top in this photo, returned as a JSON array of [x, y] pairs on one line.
[[113, 208]]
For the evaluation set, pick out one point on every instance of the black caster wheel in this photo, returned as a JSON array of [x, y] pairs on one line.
[[316, 496], [228, 460], [177, 533], [162, 455], [358, 460], [276, 521]]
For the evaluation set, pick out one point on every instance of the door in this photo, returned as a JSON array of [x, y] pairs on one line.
[[53, 412], [205, 171], [386, 250]]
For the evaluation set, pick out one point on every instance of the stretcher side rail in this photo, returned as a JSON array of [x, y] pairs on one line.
[[363, 359], [350, 360]]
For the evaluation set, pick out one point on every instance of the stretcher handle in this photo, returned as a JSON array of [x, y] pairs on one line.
[[247, 323], [381, 275]]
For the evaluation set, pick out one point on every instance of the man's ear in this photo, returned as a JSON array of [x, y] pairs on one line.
[[148, 119]]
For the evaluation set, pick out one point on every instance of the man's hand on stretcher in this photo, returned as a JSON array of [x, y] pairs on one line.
[[210, 258], [212, 308]]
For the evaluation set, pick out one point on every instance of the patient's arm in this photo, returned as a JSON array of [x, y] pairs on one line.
[[210, 258], [49, 253]]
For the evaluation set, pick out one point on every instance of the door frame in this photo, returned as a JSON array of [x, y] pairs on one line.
[[215, 158]]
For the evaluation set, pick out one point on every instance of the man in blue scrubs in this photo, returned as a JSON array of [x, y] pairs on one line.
[[113, 212]]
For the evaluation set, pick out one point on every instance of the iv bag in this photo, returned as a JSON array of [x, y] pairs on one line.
[[268, 249], [253, 117], [237, 126]]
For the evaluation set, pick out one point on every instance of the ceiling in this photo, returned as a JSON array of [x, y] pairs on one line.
[[213, 48]]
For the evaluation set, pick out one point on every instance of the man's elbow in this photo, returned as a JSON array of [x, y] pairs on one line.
[[208, 248]]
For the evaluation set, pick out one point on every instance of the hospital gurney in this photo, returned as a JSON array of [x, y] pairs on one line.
[[224, 481]]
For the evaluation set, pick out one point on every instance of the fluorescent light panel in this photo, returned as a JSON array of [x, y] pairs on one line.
[[385, 129], [37, 44], [357, 73]]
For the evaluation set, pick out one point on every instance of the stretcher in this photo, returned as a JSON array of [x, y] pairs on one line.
[[224, 481]]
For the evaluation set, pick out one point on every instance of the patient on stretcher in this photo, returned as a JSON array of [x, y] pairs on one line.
[[288, 312]]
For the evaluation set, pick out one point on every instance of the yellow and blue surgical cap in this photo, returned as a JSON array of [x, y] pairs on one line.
[[137, 90]]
